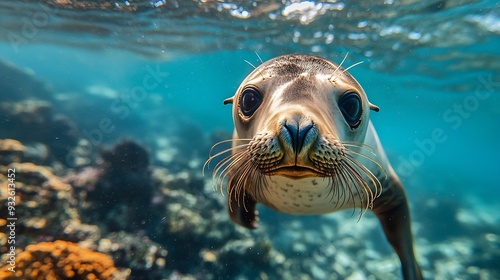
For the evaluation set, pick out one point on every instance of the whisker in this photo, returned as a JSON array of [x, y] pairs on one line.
[[226, 151], [250, 64], [236, 186], [257, 179], [361, 146], [333, 187], [375, 183], [368, 172], [338, 67], [226, 141], [242, 179], [246, 172], [224, 161], [374, 179], [338, 187], [212, 157], [261, 183], [258, 56], [342, 180], [233, 161], [368, 158], [350, 184], [361, 187], [370, 193], [355, 64], [352, 187]]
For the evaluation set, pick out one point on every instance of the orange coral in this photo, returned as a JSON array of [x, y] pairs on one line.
[[41, 176], [11, 151], [60, 260], [11, 145]]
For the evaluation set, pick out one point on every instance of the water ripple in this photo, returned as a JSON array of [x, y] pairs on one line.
[[387, 34]]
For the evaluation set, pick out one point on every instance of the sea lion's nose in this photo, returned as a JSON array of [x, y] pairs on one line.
[[298, 132]]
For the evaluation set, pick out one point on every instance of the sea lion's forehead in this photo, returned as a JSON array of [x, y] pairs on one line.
[[302, 68], [293, 65], [286, 67]]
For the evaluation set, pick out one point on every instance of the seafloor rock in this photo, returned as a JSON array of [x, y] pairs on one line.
[[45, 208], [43, 201], [18, 84], [442, 213], [241, 256], [60, 260], [462, 257], [184, 217], [33, 121], [125, 186], [11, 151], [117, 194], [145, 258], [192, 222], [27, 114], [126, 156]]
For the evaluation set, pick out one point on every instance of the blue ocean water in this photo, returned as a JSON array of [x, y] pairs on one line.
[[433, 67]]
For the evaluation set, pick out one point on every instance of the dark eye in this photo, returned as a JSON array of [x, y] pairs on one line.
[[350, 106], [250, 101]]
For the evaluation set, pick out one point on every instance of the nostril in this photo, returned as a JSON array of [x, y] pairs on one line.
[[298, 133]]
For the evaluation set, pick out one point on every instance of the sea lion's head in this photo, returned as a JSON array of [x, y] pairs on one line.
[[297, 110], [297, 116]]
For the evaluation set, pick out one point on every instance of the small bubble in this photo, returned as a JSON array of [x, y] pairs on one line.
[[329, 38], [414, 35], [316, 49], [362, 24], [317, 34], [356, 36]]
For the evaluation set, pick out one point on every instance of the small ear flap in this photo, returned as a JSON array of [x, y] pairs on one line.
[[228, 101], [374, 107]]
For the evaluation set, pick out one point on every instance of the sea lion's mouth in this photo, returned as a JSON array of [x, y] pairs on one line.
[[296, 172]]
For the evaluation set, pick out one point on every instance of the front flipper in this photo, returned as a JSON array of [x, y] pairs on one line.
[[392, 210], [241, 207]]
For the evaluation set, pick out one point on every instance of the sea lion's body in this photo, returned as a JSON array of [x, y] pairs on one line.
[[303, 144]]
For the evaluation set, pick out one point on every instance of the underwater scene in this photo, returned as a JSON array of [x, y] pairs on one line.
[[116, 129]]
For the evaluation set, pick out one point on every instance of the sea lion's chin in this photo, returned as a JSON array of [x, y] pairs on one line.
[[296, 172]]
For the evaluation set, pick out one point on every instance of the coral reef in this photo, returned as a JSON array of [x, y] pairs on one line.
[[11, 151], [60, 260], [43, 201]]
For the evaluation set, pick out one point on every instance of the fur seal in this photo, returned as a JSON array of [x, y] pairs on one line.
[[304, 144]]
